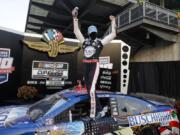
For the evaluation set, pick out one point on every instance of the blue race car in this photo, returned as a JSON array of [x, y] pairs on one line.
[[66, 113]]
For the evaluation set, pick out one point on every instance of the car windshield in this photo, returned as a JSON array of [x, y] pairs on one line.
[[132, 105], [46, 105]]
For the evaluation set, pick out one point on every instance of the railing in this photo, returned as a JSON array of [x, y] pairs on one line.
[[160, 14], [147, 10]]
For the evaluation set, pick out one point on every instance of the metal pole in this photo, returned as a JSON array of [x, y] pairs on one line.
[[129, 16], [162, 3]]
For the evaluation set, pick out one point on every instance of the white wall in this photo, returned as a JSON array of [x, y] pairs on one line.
[[13, 14], [159, 53]]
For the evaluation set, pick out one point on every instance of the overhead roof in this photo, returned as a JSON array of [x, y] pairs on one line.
[[56, 14]]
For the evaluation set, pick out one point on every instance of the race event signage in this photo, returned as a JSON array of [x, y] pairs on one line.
[[105, 76], [5, 64], [52, 43], [149, 118], [50, 70], [105, 79], [104, 60]]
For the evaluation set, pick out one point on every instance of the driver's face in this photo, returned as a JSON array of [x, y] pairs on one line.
[[93, 35]]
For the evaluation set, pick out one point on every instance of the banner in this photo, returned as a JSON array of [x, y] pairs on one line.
[[5, 64], [50, 70], [105, 80], [105, 76], [51, 74]]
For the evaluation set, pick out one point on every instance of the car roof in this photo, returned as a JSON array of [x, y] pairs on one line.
[[157, 99], [68, 93], [73, 93]]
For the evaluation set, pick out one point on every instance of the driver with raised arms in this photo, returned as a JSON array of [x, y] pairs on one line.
[[92, 47]]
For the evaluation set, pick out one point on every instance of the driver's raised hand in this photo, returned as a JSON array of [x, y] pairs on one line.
[[75, 12], [111, 17]]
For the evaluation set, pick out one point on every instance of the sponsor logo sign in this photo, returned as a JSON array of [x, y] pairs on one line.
[[5, 64], [105, 75], [149, 118], [104, 60], [89, 51], [50, 70]]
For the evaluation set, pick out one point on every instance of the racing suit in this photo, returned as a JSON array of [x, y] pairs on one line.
[[91, 51]]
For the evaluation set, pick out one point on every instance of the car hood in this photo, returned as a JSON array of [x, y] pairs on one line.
[[12, 114]]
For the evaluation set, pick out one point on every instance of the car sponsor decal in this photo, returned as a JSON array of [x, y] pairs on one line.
[[89, 51], [149, 118]]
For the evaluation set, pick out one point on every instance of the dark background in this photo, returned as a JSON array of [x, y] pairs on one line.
[[12, 41], [162, 78]]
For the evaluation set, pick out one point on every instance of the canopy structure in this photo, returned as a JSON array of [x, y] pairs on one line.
[[56, 14]]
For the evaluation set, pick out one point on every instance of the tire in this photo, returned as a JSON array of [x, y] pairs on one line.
[[149, 130]]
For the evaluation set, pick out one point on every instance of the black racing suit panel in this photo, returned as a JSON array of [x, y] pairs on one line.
[[92, 50]]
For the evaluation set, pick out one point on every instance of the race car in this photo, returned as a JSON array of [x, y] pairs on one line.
[[67, 113]]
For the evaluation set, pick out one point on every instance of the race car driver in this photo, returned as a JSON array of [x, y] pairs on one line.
[[92, 47]]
